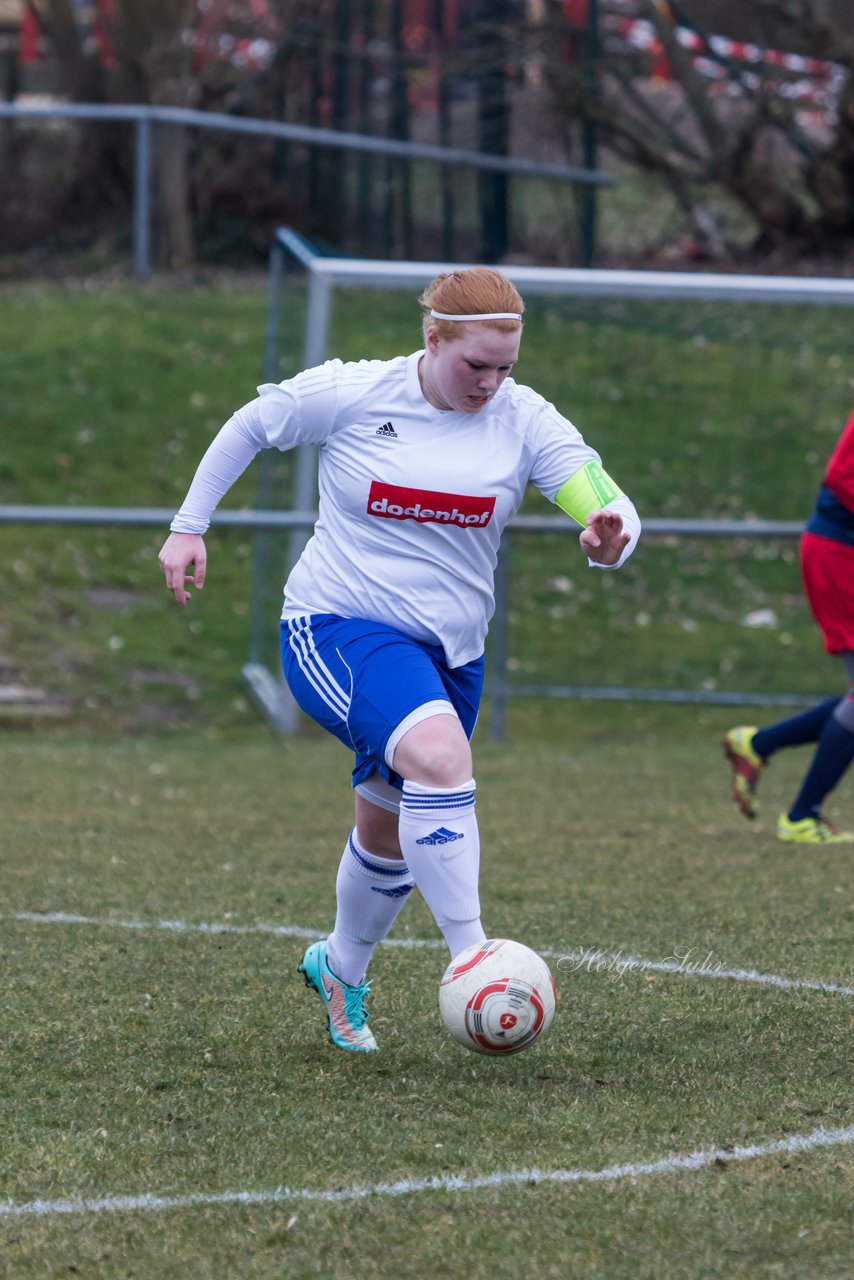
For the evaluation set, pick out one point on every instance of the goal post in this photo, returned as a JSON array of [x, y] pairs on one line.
[[303, 287]]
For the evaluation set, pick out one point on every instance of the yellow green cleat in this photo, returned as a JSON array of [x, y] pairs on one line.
[[746, 768], [811, 831]]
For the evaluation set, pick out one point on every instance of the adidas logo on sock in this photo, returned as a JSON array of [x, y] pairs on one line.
[[440, 836], [388, 431], [400, 892]]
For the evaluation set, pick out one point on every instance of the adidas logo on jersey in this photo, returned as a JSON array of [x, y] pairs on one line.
[[388, 431], [441, 836]]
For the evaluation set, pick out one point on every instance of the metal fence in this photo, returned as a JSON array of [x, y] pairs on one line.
[[272, 695], [324, 276], [143, 117]]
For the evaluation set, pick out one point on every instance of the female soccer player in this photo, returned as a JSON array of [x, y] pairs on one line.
[[827, 567], [423, 459]]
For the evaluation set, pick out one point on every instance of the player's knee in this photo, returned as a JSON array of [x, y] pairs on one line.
[[843, 712], [434, 753], [377, 829]]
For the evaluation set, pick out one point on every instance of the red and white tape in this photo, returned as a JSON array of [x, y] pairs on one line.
[[817, 84]]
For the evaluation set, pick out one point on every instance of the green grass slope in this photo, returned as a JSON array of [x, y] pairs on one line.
[[110, 397]]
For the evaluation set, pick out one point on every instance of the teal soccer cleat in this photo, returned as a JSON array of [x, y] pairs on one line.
[[345, 1005]]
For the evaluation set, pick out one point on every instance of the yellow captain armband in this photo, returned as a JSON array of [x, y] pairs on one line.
[[589, 488]]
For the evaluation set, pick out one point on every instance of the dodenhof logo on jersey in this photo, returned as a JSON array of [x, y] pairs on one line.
[[427, 506]]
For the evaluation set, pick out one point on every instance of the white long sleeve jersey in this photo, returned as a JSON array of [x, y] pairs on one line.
[[413, 500]]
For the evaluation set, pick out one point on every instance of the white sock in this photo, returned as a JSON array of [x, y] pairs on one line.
[[440, 842], [370, 892]]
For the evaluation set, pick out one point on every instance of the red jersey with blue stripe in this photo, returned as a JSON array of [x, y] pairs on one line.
[[833, 516]]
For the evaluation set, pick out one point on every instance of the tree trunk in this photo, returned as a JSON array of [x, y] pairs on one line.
[[176, 247], [494, 127]]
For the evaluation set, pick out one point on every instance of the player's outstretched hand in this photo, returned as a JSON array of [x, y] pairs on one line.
[[604, 540], [178, 553]]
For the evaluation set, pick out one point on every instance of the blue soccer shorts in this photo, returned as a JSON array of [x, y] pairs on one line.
[[368, 683]]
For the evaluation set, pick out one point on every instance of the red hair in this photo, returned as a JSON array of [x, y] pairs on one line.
[[471, 292]]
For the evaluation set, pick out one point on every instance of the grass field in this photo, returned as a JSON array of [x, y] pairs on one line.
[[171, 1106]]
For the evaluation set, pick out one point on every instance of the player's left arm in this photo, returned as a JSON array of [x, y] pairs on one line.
[[610, 523], [605, 539]]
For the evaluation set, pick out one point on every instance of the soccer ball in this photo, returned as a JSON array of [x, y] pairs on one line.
[[497, 997]]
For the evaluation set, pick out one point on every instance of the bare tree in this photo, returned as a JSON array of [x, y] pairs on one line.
[[794, 180], [150, 63], [155, 65]]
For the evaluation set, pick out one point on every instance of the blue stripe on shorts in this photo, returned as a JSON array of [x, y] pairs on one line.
[[359, 680]]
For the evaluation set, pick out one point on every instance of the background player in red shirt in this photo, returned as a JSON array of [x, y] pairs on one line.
[[827, 565]]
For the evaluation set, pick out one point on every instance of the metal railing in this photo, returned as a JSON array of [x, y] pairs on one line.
[[143, 117], [269, 690]]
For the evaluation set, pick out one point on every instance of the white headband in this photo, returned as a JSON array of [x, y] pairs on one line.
[[487, 315]]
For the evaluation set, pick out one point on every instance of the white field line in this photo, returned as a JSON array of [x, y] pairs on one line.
[[593, 960], [445, 1182]]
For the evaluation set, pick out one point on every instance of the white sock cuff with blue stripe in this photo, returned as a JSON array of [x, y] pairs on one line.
[[393, 870], [432, 802]]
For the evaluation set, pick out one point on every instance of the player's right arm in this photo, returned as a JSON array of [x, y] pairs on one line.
[[179, 552], [228, 456], [276, 419]]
